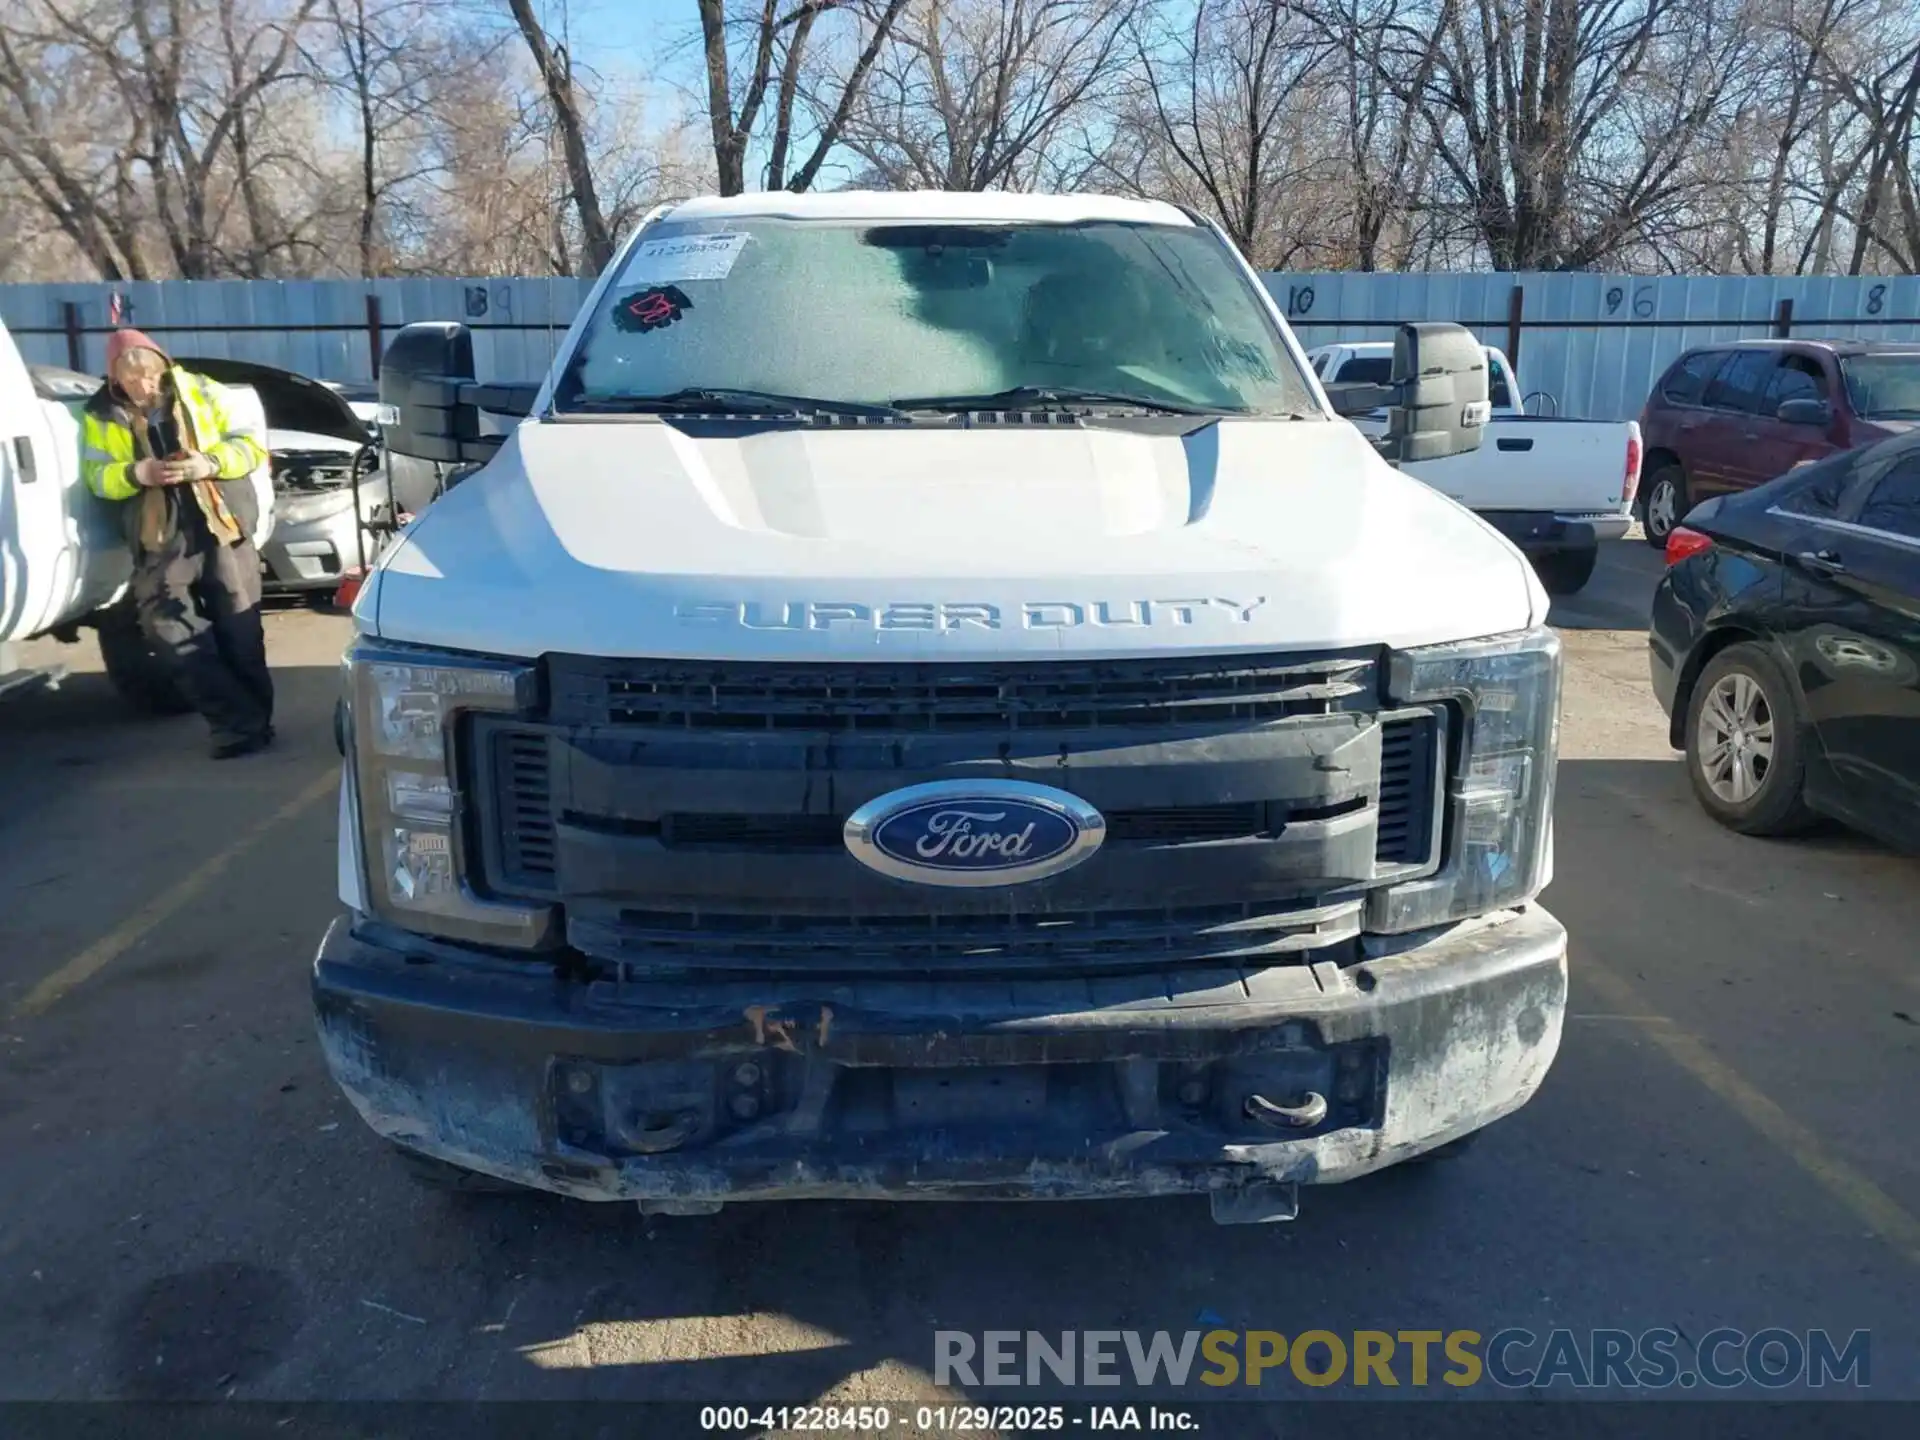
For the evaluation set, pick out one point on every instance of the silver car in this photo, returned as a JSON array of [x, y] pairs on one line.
[[317, 440]]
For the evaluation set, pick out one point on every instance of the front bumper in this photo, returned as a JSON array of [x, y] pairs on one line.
[[312, 555], [691, 1095]]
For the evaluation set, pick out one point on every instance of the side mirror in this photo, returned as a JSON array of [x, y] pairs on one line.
[[1355, 398], [420, 378], [430, 404], [1439, 406], [1806, 412]]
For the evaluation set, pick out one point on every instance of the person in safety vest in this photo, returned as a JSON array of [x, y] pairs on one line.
[[162, 443]]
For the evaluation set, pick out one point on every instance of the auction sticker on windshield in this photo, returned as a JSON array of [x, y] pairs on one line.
[[684, 257]]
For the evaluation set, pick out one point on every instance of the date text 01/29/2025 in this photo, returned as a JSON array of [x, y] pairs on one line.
[[945, 1419]]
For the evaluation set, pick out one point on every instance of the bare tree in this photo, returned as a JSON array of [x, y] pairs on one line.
[[1887, 215], [502, 194], [383, 58], [1390, 165], [976, 94], [195, 122], [1789, 183], [257, 137], [168, 137], [1219, 92], [1806, 36], [271, 137], [63, 137], [784, 37], [556, 73], [1562, 126]]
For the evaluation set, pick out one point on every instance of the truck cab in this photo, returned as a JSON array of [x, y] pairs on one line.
[[931, 701]]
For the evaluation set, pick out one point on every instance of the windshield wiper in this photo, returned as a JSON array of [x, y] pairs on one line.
[[710, 399], [1034, 397]]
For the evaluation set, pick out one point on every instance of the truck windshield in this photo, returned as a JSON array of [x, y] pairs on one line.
[[941, 316], [1883, 386]]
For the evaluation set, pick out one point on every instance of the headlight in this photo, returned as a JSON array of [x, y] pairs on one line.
[[405, 705], [1499, 807]]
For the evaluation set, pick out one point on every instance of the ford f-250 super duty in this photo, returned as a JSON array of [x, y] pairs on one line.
[[1555, 487], [931, 702]]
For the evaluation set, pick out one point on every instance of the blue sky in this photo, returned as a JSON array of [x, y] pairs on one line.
[[633, 39]]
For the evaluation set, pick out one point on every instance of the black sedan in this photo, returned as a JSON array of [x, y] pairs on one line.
[[1785, 645]]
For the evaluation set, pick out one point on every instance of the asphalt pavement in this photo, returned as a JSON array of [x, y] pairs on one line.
[[188, 1210]]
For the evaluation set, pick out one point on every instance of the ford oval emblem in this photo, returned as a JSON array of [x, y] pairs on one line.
[[974, 832]]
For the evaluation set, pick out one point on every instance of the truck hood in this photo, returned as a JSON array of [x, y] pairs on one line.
[[291, 403], [637, 538]]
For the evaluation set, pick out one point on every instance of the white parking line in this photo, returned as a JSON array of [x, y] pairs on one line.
[[150, 916]]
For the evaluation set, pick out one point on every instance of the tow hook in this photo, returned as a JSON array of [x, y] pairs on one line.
[[1304, 1116], [656, 1134]]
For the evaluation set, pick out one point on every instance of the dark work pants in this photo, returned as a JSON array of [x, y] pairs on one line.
[[199, 603]]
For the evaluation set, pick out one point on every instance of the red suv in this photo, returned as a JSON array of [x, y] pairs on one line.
[[1730, 417]]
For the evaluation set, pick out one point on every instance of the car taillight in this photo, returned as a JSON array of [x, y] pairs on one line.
[[1630, 485], [1682, 542]]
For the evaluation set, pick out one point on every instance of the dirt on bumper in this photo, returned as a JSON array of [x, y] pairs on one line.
[[1222, 1081]]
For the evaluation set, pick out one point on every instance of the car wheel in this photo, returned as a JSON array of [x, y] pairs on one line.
[[1566, 572], [1666, 504], [135, 669], [434, 1174], [1746, 743]]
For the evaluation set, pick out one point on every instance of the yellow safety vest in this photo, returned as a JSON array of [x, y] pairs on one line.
[[111, 442]]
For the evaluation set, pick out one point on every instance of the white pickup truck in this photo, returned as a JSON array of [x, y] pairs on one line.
[[1555, 487], [930, 701]]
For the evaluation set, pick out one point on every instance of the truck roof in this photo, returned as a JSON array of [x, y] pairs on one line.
[[956, 206]]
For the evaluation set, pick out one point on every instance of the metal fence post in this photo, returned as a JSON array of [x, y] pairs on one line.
[[76, 336], [1783, 320], [1516, 313], [374, 346]]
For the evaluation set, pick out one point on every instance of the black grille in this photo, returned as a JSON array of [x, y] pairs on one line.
[[1188, 824], [526, 816], [1089, 943], [689, 695], [1407, 743], [1173, 825], [755, 832], [523, 781]]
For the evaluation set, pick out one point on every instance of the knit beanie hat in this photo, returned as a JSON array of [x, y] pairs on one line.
[[121, 341]]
